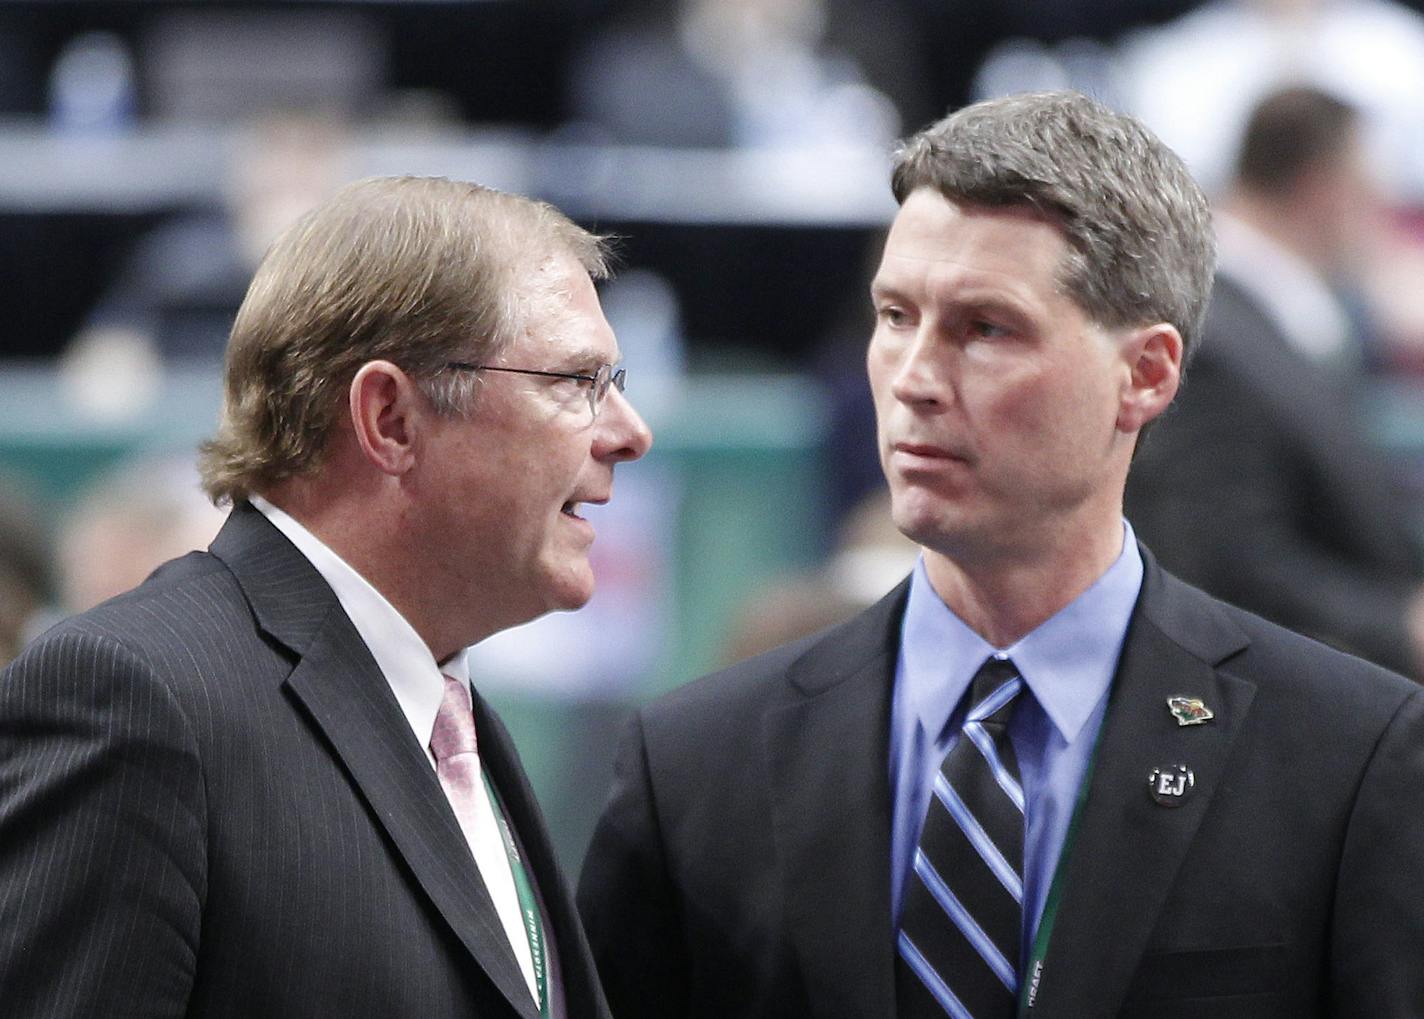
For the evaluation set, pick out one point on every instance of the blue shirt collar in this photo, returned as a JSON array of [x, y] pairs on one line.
[[1068, 661]]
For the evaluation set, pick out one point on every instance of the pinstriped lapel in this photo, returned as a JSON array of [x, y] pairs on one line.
[[347, 698], [286, 593], [1128, 850], [829, 753]]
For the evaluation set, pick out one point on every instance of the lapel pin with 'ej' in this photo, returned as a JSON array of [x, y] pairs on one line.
[[1189, 710], [1171, 784]]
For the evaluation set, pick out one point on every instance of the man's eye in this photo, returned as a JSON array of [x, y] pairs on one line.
[[894, 316], [988, 330]]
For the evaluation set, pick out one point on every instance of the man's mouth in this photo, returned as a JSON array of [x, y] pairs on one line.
[[925, 450], [572, 507]]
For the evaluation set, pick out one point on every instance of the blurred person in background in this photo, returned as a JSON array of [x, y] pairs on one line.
[[177, 292], [128, 523], [1196, 79], [1262, 484], [728, 74], [870, 556], [260, 784], [1042, 772]]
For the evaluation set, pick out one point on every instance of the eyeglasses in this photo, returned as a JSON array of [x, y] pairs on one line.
[[601, 380]]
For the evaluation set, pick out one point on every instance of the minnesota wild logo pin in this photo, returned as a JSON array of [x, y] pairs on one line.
[[1189, 710]]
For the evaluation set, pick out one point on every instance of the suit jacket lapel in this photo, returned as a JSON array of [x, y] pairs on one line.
[[350, 702], [829, 753], [1129, 847]]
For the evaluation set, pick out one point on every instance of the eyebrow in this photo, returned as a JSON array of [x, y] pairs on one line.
[[975, 300], [879, 288], [589, 356]]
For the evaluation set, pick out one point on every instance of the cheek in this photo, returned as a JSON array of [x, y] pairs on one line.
[[1007, 395], [1080, 416], [1041, 415], [880, 367], [555, 476], [877, 370]]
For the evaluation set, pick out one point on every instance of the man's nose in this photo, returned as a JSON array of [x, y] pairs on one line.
[[624, 433], [918, 376]]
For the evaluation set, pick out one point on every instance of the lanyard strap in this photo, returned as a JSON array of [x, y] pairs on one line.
[[528, 903], [1028, 990]]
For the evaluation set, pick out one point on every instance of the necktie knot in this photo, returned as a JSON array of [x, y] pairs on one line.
[[993, 694], [454, 731]]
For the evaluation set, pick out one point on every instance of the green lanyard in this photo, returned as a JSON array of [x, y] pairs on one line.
[[528, 904], [1028, 988]]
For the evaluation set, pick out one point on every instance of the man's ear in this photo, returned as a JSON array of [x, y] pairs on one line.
[[385, 406], [1154, 359]]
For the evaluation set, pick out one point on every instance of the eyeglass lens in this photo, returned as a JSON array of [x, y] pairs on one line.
[[606, 376]]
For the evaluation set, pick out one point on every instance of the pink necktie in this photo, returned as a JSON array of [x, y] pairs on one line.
[[457, 763], [453, 744]]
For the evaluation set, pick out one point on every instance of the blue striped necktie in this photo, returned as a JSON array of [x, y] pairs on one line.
[[962, 917]]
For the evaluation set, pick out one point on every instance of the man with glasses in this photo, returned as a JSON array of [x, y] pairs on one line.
[[261, 784], [1042, 777]]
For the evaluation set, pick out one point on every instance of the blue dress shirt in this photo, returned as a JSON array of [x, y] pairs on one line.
[[1067, 664]]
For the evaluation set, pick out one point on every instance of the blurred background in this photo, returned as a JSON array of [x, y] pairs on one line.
[[738, 149]]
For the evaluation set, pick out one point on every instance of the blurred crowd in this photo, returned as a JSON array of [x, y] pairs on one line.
[[1268, 485]]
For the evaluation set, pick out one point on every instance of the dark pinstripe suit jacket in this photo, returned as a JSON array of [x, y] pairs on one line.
[[212, 805]]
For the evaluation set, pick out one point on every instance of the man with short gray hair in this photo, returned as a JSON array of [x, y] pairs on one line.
[[261, 783], [1042, 776]]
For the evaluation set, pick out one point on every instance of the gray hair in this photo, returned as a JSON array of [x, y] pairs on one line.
[[1141, 246]]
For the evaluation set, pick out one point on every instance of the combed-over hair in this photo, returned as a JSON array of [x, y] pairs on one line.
[[418, 271]]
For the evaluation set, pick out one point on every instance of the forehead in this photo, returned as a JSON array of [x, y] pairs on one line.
[[562, 317], [934, 240]]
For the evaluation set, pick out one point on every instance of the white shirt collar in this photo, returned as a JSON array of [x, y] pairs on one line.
[[403, 658]]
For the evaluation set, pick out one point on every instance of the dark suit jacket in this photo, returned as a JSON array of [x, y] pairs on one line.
[[742, 865], [1261, 486], [212, 805]]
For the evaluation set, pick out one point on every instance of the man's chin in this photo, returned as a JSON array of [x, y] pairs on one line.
[[570, 604], [923, 527], [955, 537], [569, 590]]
